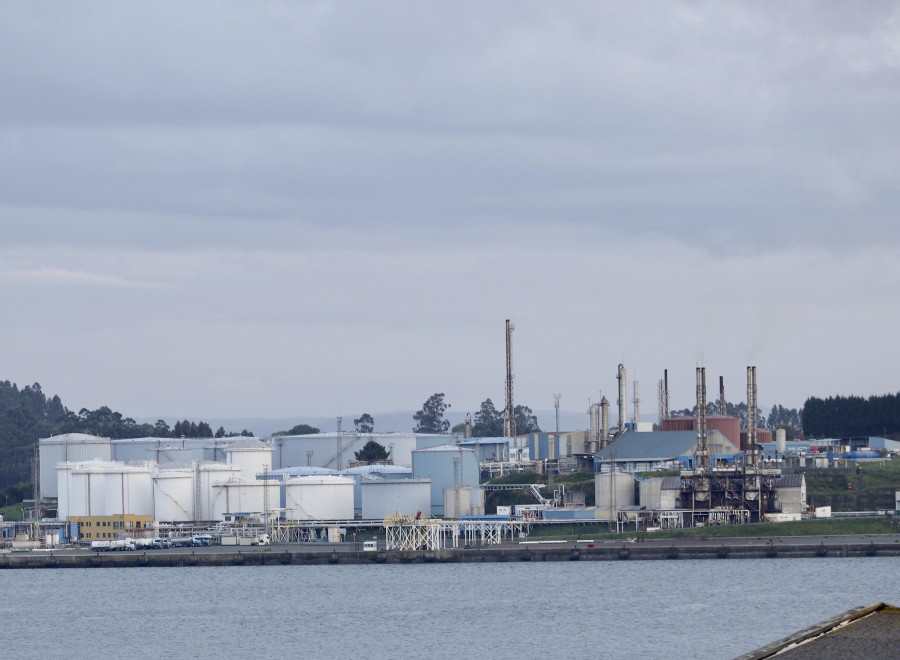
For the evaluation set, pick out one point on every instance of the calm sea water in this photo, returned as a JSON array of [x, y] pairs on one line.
[[658, 609]]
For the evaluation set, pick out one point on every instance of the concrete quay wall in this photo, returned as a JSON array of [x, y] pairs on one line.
[[299, 556]]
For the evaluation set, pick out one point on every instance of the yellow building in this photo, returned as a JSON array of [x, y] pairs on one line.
[[104, 528]]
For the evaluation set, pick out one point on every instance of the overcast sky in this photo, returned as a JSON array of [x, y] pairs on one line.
[[239, 209]]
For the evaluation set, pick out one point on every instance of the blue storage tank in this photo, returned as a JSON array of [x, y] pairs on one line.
[[860, 454]]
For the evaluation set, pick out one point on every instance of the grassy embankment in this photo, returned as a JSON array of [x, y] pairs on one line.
[[870, 489], [12, 512]]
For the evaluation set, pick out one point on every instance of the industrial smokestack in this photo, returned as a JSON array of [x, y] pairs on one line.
[[604, 425], [622, 402], [721, 395], [666, 391], [752, 448], [510, 424], [702, 450], [595, 444]]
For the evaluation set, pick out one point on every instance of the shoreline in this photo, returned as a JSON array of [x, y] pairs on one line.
[[304, 555]]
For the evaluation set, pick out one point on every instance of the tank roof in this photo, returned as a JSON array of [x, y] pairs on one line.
[[74, 438], [248, 444], [444, 448]]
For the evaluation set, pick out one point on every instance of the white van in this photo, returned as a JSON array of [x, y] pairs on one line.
[[370, 546]]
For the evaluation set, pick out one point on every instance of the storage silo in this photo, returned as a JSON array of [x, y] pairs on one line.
[[250, 456], [383, 497], [446, 466], [319, 497], [67, 448], [780, 441], [173, 493]]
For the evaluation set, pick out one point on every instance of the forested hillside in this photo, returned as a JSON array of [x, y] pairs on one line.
[[27, 415], [844, 416]]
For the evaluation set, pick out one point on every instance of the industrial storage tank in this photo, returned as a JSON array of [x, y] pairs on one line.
[[681, 423], [67, 448], [650, 492], [762, 436], [241, 496], [129, 490], [322, 497], [210, 474], [173, 494], [780, 441], [446, 466], [463, 501], [378, 471], [614, 490], [728, 426], [384, 497], [251, 457]]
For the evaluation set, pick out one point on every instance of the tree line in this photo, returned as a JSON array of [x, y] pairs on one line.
[[779, 417], [845, 416], [27, 414], [488, 423]]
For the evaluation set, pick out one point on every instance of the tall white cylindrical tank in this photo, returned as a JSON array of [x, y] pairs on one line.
[[173, 495], [251, 457], [382, 497], [321, 497], [780, 441]]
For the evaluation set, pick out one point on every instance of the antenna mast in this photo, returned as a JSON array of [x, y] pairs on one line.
[[556, 405]]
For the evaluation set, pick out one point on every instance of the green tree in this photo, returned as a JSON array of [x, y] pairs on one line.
[[488, 421], [364, 423], [299, 429], [371, 452], [526, 421], [430, 419]]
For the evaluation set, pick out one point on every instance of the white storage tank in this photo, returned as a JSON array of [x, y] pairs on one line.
[[212, 474], [382, 497], [240, 496], [173, 494], [320, 497], [251, 457], [463, 501], [67, 448], [780, 441], [129, 490], [85, 485]]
